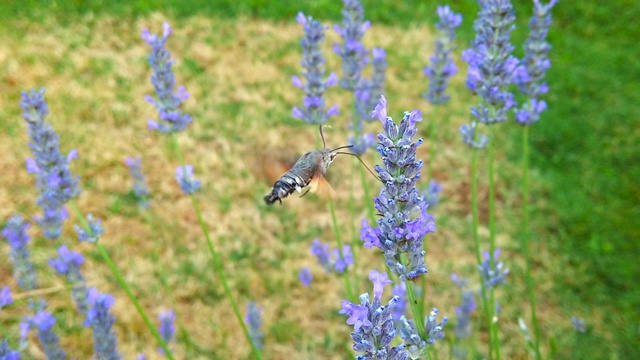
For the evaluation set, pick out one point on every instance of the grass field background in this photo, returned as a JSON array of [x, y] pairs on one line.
[[237, 59]]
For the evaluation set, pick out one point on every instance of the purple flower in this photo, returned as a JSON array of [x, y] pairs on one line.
[[368, 91], [93, 233], [15, 232], [442, 66], [53, 178], [254, 322], [400, 233], [305, 277], [400, 291], [369, 235], [492, 276], [431, 194], [342, 260], [167, 329], [464, 311], [5, 297], [184, 176], [578, 325], [168, 102], [101, 321], [491, 65], [6, 353], [43, 321], [332, 259], [529, 75], [322, 253], [68, 265], [373, 327], [141, 356], [471, 137], [140, 188], [352, 52], [314, 110], [433, 330]]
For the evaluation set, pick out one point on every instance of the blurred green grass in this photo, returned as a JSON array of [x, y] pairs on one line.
[[585, 147]]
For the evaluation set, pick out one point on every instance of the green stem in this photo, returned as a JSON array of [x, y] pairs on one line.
[[354, 233], [415, 311], [492, 244], [216, 260], [525, 239], [123, 284], [347, 282]]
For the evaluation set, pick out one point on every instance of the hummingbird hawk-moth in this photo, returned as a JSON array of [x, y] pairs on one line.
[[309, 170]]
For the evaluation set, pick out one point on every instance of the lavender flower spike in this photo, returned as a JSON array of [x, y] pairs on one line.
[[168, 102], [53, 178], [464, 311], [255, 322], [101, 321], [313, 62], [184, 177], [433, 330], [400, 233], [369, 91], [469, 136], [442, 66], [6, 353], [373, 327], [92, 234], [529, 75], [5, 297], [491, 64], [140, 187], [44, 321], [167, 329], [68, 265], [352, 52], [496, 276], [15, 232]]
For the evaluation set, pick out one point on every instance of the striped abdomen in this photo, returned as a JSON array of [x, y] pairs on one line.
[[287, 184]]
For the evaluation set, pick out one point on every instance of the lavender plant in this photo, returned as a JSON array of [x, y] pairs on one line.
[[305, 277], [6, 353], [15, 232], [68, 265], [140, 187], [167, 328], [314, 111], [43, 322], [54, 180], [100, 319], [5, 297], [254, 322]]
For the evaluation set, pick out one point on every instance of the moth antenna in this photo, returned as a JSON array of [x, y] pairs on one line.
[[342, 147], [324, 145], [365, 165]]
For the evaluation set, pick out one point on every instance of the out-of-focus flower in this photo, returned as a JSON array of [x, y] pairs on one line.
[[188, 183], [253, 319], [442, 67], [15, 232], [305, 277], [100, 319], [92, 234], [140, 188]]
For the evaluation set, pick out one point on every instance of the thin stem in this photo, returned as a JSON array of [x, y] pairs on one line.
[[123, 284], [354, 234], [525, 239], [347, 281], [492, 244], [415, 311], [216, 260]]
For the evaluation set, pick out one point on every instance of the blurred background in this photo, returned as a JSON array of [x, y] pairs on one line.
[[236, 58]]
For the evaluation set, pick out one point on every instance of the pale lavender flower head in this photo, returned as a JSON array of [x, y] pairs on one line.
[[471, 136], [342, 261], [400, 233], [305, 277], [68, 265], [492, 276], [352, 51], [442, 67], [529, 75], [100, 319], [432, 328], [322, 253], [254, 321], [140, 187], [167, 328], [188, 183], [141, 356], [314, 110], [432, 193], [373, 327], [15, 232], [167, 101], [368, 91], [491, 65], [5, 297], [43, 321], [462, 327], [54, 180], [6, 353], [94, 232], [578, 325]]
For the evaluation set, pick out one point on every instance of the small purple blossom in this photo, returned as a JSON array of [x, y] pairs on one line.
[[400, 291], [305, 277], [322, 253], [43, 321], [373, 327], [442, 67], [5, 297], [491, 65], [54, 180], [492, 276], [6, 353], [68, 265], [432, 328], [254, 321], [167, 328], [332, 259], [100, 319], [15, 232], [342, 260], [578, 325], [432, 193], [168, 102], [140, 187], [93, 233], [188, 183], [314, 109], [471, 137], [529, 75]]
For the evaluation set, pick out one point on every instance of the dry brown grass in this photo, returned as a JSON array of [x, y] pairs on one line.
[[96, 75]]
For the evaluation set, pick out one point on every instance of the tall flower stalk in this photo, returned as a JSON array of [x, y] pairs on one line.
[[172, 121], [529, 76], [491, 68]]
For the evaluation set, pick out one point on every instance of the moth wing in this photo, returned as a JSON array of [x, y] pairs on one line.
[[320, 183]]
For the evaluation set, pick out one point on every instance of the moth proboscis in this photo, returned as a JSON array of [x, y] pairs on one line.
[[309, 170]]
